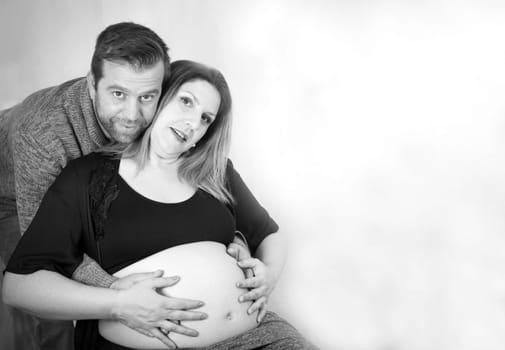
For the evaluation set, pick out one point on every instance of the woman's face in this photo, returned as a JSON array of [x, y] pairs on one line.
[[185, 119]]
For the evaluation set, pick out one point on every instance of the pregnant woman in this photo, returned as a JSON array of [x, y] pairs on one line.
[[172, 201]]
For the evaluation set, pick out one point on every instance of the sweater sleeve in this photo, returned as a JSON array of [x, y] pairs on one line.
[[251, 218], [35, 169], [53, 239]]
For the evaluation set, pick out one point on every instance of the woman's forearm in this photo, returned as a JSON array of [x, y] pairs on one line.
[[272, 252], [50, 295]]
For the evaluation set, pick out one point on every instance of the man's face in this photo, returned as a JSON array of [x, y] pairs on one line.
[[126, 99]]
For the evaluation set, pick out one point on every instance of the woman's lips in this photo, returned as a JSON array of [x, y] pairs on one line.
[[181, 136]]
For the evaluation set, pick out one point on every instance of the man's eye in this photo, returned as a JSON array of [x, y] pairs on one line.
[[118, 94], [186, 101], [146, 98]]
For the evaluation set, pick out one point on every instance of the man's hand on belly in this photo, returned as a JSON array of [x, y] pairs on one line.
[[143, 309]]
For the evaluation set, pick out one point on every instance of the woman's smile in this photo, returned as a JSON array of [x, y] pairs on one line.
[[180, 135]]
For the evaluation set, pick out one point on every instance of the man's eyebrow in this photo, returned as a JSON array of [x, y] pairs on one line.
[[122, 88]]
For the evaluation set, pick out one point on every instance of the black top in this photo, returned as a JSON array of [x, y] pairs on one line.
[[134, 226], [138, 227]]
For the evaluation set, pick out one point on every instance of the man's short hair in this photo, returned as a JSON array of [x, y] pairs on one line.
[[129, 42]]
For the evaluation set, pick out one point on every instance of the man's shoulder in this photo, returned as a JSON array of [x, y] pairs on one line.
[[47, 108], [44, 114]]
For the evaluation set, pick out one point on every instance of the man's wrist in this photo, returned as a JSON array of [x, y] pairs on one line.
[[89, 272]]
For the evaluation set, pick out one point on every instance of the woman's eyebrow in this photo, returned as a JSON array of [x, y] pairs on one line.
[[190, 93], [197, 101]]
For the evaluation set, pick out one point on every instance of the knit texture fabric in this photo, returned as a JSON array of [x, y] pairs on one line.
[[37, 139]]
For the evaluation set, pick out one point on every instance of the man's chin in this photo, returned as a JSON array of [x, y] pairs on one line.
[[125, 138]]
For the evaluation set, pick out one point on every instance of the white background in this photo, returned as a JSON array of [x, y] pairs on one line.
[[372, 131]]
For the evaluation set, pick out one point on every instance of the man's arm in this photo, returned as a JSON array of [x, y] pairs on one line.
[[90, 273], [35, 169]]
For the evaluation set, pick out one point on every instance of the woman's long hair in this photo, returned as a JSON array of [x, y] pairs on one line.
[[204, 165]]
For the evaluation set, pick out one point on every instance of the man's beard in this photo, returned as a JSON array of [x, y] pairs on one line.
[[115, 127], [118, 129]]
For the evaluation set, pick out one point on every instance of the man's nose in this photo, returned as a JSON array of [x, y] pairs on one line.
[[132, 109]]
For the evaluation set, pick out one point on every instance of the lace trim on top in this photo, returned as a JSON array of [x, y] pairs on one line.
[[103, 189]]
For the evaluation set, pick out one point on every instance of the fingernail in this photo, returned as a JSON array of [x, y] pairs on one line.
[[238, 284], [241, 299], [203, 317], [200, 303]]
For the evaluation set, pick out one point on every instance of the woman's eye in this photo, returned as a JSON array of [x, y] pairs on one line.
[[186, 101], [206, 119]]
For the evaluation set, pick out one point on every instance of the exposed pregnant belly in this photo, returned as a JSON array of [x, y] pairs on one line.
[[208, 274]]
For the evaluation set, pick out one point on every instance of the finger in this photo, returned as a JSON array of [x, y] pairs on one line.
[[182, 304], [163, 338], [157, 273], [144, 332], [233, 251], [253, 282], [248, 263], [262, 313], [145, 275], [179, 315], [256, 305], [162, 282], [176, 328], [252, 295], [249, 273]]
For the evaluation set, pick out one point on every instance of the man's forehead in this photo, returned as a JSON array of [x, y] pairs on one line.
[[124, 74]]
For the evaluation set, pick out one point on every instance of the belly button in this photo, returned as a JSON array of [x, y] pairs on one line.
[[229, 315]]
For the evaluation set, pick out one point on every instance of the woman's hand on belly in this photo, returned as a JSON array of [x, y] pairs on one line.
[[260, 285]]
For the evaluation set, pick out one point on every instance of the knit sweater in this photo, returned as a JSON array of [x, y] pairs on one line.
[[37, 138]]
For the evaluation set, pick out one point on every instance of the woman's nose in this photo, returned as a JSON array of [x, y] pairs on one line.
[[189, 124]]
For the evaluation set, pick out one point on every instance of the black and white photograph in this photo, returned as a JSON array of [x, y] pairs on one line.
[[252, 174]]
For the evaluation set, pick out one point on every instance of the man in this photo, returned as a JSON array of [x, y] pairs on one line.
[[114, 103]]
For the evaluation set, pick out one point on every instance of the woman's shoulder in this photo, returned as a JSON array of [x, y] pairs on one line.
[[229, 167], [84, 167], [91, 161]]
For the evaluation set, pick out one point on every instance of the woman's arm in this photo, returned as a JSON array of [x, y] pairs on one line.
[[50, 295], [266, 244], [272, 252], [267, 266]]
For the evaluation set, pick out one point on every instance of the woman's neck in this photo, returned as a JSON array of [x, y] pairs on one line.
[[158, 179]]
